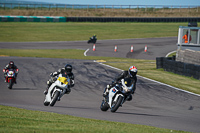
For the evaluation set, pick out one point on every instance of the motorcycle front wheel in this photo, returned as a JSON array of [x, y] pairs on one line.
[[55, 98], [115, 105], [10, 84]]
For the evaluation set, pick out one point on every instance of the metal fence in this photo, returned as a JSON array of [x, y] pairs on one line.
[[135, 8]]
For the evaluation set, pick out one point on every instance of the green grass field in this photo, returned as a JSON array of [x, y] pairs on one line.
[[20, 120], [31, 32], [15, 120]]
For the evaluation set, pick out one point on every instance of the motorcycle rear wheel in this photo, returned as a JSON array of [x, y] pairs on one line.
[[55, 98], [104, 106], [116, 105]]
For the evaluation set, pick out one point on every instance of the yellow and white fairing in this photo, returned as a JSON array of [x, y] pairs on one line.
[[61, 85]]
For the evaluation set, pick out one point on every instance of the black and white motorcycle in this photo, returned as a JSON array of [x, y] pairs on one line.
[[57, 90], [117, 95]]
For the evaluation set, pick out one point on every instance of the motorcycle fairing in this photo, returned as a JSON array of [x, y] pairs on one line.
[[63, 80]]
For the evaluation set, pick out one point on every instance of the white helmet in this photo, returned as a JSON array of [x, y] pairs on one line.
[[132, 71]]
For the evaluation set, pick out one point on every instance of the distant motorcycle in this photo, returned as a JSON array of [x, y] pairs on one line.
[[118, 94], [92, 40], [57, 90], [11, 77]]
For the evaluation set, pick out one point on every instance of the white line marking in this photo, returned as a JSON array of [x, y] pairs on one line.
[[169, 53], [85, 53], [153, 80]]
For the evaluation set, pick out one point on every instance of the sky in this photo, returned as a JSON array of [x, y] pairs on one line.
[[124, 2]]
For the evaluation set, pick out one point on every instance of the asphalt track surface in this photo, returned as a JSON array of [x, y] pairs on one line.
[[153, 104]]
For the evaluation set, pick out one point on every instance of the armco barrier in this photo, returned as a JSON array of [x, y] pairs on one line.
[[132, 19], [32, 19], [181, 68]]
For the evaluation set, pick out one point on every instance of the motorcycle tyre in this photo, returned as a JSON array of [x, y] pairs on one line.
[[104, 106], [10, 84], [118, 103], [55, 98]]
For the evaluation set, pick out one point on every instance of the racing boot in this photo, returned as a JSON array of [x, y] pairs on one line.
[[106, 91], [129, 98]]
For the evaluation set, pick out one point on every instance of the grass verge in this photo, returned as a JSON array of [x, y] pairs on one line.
[[32, 31], [24, 121]]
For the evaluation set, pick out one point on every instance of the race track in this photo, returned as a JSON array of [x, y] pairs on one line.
[[153, 104]]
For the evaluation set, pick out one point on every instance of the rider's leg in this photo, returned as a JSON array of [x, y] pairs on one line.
[[129, 97], [5, 76], [106, 90], [16, 78]]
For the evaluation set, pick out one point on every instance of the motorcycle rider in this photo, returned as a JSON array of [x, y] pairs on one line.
[[128, 74], [67, 70], [10, 65], [93, 38]]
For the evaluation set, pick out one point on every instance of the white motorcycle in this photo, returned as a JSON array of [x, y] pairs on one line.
[[117, 95], [57, 90]]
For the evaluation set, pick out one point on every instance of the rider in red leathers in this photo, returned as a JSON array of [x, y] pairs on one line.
[[10, 65]]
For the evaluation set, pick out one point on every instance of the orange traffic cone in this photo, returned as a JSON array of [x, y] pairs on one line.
[[115, 49], [94, 47], [145, 48], [132, 48]]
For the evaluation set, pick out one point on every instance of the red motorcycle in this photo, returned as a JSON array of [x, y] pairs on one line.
[[11, 77]]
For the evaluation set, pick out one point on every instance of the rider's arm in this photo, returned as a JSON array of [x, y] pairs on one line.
[[5, 68], [121, 76], [134, 86], [57, 72], [16, 69]]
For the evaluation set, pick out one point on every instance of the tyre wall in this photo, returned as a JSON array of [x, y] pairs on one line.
[[32, 19], [177, 67]]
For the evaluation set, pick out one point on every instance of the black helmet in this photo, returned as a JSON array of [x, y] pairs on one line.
[[11, 64], [132, 71], [68, 68]]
